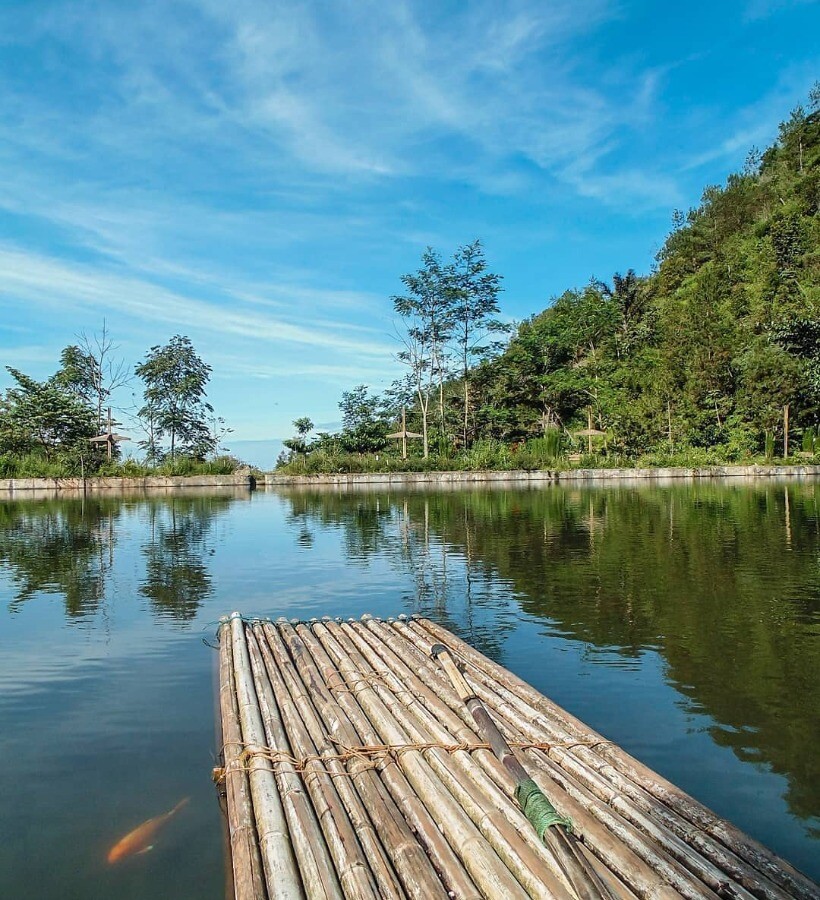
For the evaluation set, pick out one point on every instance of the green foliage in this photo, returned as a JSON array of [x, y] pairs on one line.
[[364, 422], [45, 426], [36, 465], [704, 353], [44, 418], [299, 443], [175, 379]]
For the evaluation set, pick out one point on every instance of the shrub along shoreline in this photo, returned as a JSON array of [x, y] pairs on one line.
[[495, 456]]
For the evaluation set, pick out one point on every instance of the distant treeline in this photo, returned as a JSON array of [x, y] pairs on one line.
[[60, 426], [714, 356]]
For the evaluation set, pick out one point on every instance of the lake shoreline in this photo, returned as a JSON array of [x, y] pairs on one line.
[[545, 476], [12, 486]]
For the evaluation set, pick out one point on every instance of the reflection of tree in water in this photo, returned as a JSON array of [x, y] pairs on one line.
[[364, 526], [59, 547], [722, 581], [177, 579], [410, 531]]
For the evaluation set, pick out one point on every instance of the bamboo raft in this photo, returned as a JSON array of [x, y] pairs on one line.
[[353, 766]]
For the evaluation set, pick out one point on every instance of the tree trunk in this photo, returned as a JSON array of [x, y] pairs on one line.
[[441, 404], [424, 403], [466, 406], [786, 431]]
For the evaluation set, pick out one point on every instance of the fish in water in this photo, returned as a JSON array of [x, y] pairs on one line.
[[140, 840]]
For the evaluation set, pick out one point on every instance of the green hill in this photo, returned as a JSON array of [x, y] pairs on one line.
[[708, 350]]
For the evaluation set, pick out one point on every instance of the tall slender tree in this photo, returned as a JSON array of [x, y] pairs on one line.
[[427, 324], [472, 292], [175, 379], [92, 370]]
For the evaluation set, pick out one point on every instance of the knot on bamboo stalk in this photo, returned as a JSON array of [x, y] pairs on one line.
[[337, 683]]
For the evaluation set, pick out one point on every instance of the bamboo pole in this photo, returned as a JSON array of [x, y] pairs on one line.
[[459, 772], [553, 829], [218, 776], [532, 724], [611, 807], [281, 872], [639, 869], [643, 878], [701, 854], [342, 835], [315, 864], [447, 864], [491, 876], [412, 865], [246, 862], [764, 874], [394, 650], [676, 863], [683, 880]]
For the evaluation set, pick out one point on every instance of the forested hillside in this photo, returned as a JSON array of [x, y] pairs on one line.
[[714, 356], [707, 351]]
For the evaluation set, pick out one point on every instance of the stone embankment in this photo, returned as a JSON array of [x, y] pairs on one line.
[[12, 486], [124, 485], [542, 476]]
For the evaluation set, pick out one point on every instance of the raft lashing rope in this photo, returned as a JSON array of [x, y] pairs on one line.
[[375, 755], [387, 759]]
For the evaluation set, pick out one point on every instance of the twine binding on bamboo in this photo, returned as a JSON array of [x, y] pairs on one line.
[[375, 754], [538, 809]]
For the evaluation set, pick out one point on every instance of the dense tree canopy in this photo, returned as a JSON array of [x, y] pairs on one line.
[[706, 351]]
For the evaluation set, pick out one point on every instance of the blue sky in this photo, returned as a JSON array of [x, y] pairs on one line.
[[257, 175]]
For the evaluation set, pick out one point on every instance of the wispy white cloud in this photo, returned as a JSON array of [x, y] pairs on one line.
[[56, 285], [344, 375], [352, 90], [261, 171]]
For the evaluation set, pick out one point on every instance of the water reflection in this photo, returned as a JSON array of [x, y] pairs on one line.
[[723, 582], [410, 532], [59, 546], [681, 621], [67, 547], [177, 578]]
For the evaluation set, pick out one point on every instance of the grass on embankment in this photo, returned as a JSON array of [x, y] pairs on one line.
[[37, 466], [495, 456]]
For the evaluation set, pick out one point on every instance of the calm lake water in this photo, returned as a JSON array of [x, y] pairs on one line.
[[682, 622]]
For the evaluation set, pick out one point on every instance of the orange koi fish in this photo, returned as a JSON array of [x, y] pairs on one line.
[[140, 839]]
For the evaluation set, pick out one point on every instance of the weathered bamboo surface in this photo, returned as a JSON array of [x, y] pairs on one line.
[[353, 769]]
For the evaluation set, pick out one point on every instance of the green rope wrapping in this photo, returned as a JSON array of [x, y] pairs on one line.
[[541, 813]]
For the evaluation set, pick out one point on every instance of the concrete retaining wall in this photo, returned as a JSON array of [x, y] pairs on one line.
[[541, 477], [123, 485], [176, 482]]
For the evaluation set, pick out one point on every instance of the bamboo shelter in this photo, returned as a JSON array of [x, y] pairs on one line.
[[389, 759]]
